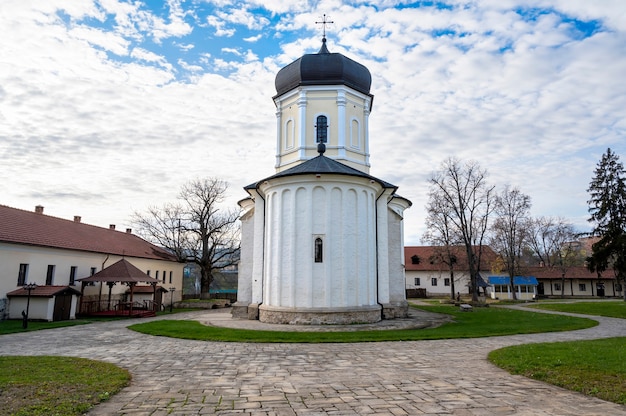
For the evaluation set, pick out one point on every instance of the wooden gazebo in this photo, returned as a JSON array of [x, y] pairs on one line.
[[121, 272]]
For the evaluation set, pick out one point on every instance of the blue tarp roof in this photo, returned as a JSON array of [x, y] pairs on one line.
[[517, 280]]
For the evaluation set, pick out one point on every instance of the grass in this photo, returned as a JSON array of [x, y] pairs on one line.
[[482, 322], [595, 368], [614, 309], [33, 386], [15, 325]]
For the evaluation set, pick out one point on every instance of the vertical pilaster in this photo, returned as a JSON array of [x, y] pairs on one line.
[[259, 248], [302, 102], [366, 130], [382, 239], [341, 124], [279, 132]]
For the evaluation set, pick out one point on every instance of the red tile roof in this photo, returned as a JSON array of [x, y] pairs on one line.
[[44, 291], [579, 272], [30, 228], [428, 258], [121, 271]]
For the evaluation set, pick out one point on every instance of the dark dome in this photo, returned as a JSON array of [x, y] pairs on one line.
[[323, 68]]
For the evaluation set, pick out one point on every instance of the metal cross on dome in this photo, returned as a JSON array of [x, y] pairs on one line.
[[324, 22]]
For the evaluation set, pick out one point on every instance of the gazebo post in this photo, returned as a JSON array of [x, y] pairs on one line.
[[132, 289], [154, 289], [82, 296], [110, 285]]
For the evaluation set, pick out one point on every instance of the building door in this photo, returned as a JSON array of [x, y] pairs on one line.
[[600, 289], [62, 306]]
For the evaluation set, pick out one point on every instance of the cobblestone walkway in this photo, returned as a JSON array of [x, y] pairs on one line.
[[181, 377]]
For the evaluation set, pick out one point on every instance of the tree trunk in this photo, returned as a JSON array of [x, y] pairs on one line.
[[452, 291], [205, 283]]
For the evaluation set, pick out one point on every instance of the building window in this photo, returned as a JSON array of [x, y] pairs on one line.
[[415, 259], [446, 281], [148, 272], [557, 286], [433, 281], [319, 250], [321, 128], [163, 276], [582, 287], [22, 275], [170, 277], [156, 275], [289, 134], [93, 271], [416, 281], [355, 133], [50, 275], [72, 275]]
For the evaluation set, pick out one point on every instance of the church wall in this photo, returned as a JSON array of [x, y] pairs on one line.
[[244, 280], [339, 212]]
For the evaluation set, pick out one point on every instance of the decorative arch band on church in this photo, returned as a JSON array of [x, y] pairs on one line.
[[322, 239]]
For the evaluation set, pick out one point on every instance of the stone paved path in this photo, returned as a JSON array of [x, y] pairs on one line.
[[180, 377]]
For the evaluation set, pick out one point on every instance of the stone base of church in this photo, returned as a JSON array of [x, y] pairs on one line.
[[396, 310], [319, 316], [245, 311]]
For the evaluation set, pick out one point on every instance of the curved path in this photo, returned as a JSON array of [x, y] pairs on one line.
[[445, 377]]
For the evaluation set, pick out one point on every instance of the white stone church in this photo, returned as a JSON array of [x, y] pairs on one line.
[[322, 239]]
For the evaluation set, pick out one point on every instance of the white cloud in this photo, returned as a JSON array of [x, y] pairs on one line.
[[106, 40], [83, 130], [253, 39]]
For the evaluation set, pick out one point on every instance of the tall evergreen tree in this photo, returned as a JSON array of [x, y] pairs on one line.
[[607, 207]]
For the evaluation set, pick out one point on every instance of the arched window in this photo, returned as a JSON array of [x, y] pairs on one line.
[[289, 134], [321, 127], [355, 133], [319, 250]]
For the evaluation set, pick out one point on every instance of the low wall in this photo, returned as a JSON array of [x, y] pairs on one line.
[[205, 304]]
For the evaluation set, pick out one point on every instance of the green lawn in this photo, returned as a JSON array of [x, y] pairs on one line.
[[482, 322], [33, 386], [595, 368], [13, 326], [615, 309]]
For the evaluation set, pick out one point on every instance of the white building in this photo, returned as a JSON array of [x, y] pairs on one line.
[[55, 253], [322, 239], [428, 271]]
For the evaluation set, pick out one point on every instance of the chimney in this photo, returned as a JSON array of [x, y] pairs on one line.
[[129, 231], [76, 218], [111, 226], [39, 209]]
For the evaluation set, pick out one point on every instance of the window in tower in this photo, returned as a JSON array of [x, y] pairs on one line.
[[355, 133], [289, 134], [319, 250], [321, 128]]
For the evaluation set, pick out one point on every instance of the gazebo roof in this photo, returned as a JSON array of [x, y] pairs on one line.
[[123, 271]]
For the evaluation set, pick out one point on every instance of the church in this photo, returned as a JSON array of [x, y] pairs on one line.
[[322, 239]]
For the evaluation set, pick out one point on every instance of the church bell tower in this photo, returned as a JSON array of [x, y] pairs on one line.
[[323, 98]]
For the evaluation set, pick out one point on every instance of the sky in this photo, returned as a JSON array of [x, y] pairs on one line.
[[108, 107]]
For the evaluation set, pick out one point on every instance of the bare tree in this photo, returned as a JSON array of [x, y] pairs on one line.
[[510, 230], [553, 241], [464, 191], [440, 232], [196, 229]]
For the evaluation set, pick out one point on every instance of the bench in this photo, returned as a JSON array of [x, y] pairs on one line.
[[465, 307]]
